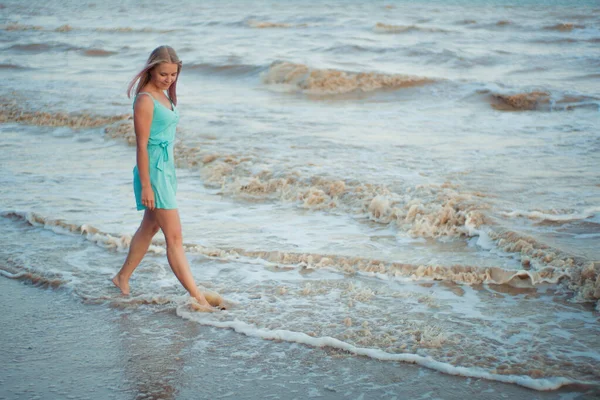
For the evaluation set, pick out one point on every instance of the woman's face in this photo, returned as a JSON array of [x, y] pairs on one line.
[[163, 75]]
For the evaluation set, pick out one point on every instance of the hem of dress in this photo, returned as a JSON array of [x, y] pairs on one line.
[[142, 208]]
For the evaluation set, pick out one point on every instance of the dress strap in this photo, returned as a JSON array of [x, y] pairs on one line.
[[136, 96], [147, 94], [154, 99]]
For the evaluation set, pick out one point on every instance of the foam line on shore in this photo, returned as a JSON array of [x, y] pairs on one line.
[[542, 384]]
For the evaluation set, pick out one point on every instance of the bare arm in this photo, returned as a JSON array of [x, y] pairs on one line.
[[142, 120]]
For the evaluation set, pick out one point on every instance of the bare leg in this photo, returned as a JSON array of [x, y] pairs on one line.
[[137, 249], [169, 222]]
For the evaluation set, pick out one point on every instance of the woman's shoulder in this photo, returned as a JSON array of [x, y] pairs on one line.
[[143, 102]]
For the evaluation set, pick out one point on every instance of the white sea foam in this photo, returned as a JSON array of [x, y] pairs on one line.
[[302, 338], [555, 217], [384, 319]]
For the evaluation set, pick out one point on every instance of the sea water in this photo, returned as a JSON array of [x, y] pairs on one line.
[[410, 181]]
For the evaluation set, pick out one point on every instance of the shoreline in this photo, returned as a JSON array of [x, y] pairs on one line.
[[85, 351]]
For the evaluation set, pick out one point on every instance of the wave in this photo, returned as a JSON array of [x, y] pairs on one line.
[[581, 276], [565, 40], [564, 27], [35, 48], [20, 27], [385, 28], [556, 217], [500, 25], [127, 29], [423, 211], [586, 77], [64, 28], [332, 81], [98, 53], [225, 69], [556, 40], [429, 211], [12, 112], [457, 273], [520, 101], [451, 58], [68, 28], [265, 24], [416, 336], [540, 101], [531, 249], [12, 66], [251, 330], [354, 48], [32, 47], [34, 278]]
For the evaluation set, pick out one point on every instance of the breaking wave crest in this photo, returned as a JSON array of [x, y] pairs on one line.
[[331, 81], [555, 216], [581, 277], [564, 27], [34, 278], [541, 101], [12, 112]]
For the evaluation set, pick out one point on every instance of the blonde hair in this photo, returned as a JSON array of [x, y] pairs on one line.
[[161, 54]]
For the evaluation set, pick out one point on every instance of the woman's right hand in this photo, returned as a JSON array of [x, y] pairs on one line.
[[148, 197]]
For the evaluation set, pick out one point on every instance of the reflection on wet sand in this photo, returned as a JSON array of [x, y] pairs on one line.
[[153, 355]]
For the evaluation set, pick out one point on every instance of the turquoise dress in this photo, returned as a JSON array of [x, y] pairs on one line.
[[160, 157]]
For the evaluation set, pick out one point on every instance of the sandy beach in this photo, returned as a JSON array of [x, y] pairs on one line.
[[55, 347]]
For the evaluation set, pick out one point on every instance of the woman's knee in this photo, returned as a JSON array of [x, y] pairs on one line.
[[170, 225], [174, 238]]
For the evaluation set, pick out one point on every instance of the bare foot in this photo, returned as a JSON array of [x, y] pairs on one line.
[[201, 307], [121, 284], [199, 296], [214, 299]]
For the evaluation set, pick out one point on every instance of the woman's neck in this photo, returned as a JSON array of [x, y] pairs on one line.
[[150, 87]]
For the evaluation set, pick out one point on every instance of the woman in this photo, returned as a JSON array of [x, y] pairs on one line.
[[155, 118]]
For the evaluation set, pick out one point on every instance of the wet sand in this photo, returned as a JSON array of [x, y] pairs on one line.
[[56, 347]]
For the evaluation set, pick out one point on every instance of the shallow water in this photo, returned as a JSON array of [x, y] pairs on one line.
[[412, 182], [90, 351]]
